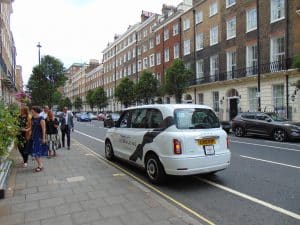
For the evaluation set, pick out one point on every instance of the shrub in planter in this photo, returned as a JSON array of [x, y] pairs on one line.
[[8, 127]]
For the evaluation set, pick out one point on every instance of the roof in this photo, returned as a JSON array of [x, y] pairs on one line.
[[171, 106]]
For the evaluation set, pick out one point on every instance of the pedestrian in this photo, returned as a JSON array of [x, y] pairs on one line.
[[66, 125], [38, 135], [52, 133], [24, 135], [45, 111]]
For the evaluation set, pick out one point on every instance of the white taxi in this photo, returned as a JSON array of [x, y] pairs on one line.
[[170, 139]]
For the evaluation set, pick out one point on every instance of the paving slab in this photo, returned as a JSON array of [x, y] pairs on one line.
[[77, 189]]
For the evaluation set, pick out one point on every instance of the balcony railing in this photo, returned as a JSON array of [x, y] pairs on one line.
[[245, 72]]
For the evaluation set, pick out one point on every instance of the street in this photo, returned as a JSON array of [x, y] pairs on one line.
[[260, 187]]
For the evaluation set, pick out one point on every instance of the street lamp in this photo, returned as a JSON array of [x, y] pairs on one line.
[[39, 47]]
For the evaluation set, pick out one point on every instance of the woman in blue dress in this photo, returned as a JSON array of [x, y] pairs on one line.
[[38, 132]]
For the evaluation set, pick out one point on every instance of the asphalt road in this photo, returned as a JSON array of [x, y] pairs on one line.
[[262, 185]]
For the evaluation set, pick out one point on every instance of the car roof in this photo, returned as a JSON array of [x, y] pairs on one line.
[[170, 106]]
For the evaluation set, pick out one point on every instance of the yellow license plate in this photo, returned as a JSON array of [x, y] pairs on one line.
[[206, 142]]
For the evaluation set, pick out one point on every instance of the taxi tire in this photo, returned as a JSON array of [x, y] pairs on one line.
[[155, 170], [109, 152]]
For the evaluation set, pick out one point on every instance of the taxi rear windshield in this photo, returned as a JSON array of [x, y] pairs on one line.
[[196, 118]]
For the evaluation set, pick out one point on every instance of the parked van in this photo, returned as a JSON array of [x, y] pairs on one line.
[[170, 139]]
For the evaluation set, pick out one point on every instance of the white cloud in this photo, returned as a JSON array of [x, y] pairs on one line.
[[72, 30]]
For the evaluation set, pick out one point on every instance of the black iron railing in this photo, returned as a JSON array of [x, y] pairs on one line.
[[272, 67]]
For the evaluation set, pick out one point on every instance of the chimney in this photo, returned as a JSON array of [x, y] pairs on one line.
[[116, 37]]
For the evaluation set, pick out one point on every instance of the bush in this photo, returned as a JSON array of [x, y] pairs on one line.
[[296, 62], [8, 127]]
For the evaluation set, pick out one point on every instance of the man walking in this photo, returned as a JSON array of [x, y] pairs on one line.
[[66, 124]]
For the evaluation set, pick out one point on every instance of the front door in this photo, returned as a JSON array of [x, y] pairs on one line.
[[233, 108]]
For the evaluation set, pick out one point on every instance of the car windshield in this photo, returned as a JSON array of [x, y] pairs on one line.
[[277, 117], [196, 118]]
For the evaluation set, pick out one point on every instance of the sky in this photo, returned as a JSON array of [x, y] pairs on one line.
[[73, 31]]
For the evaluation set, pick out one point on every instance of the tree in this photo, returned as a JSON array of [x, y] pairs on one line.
[[90, 99], [45, 80], [78, 103], [177, 78], [66, 102], [57, 97], [100, 98], [125, 92], [147, 87]]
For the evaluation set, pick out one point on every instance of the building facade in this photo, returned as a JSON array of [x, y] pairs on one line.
[[7, 54]]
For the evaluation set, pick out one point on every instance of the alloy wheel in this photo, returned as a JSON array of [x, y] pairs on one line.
[[279, 135], [239, 132]]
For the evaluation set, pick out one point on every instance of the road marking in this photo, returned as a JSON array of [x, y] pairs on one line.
[[252, 199], [263, 160], [97, 139], [298, 145], [166, 196], [267, 146]]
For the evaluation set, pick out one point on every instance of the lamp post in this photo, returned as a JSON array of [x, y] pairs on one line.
[[39, 47]]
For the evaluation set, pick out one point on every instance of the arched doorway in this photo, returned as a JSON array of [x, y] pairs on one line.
[[233, 101]]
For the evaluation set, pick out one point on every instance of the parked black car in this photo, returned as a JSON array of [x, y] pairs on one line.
[[226, 126], [263, 124], [111, 119]]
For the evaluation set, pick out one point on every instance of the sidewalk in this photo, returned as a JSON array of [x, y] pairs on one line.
[[77, 188]]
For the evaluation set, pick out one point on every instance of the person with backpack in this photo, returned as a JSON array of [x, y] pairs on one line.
[[24, 135]]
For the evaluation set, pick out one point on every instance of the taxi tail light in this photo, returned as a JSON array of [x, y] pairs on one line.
[[227, 140], [177, 147]]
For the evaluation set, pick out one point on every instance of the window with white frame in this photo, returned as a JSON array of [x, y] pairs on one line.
[[214, 35], [278, 96], [199, 69], [125, 71], [231, 28], [277, 49], [151, 63], [277, 10], [230, 3], [158, 58], [145, 63], [176, 51], [213, 8], [186, 47], [167, 55], [198, 17], [201, 99], [166, 34], [139, 36], [186, 24], [133, 68], [139, 65], [125, 57], [145, 33], [214, 65], [175, 29], [251, 17], [139, 51], [231, 63], [216, 102], [133, 53], [253, 106], [151, 43], [145, 47], [199, 41], [129, 70], [129, 55], [251, 59], [158, 39], [158, 77]]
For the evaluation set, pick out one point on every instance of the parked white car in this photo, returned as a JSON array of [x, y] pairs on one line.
[[170, 139]]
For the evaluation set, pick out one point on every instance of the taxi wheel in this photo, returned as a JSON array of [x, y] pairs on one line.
[[109, 152], [155, 170]]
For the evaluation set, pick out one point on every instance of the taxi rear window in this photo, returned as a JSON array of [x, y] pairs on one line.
[[196, 118]]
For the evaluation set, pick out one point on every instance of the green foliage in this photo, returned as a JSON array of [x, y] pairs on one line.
[[296, 62], [177, 78], [57, 97], [65, 102], [298, 84], [78, 103], [8, 127], [100, 98], [90, 99], [45, 79], [125, 92], [147, 87]]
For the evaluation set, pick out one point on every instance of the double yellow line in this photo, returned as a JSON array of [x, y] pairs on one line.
[[166, 196]]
